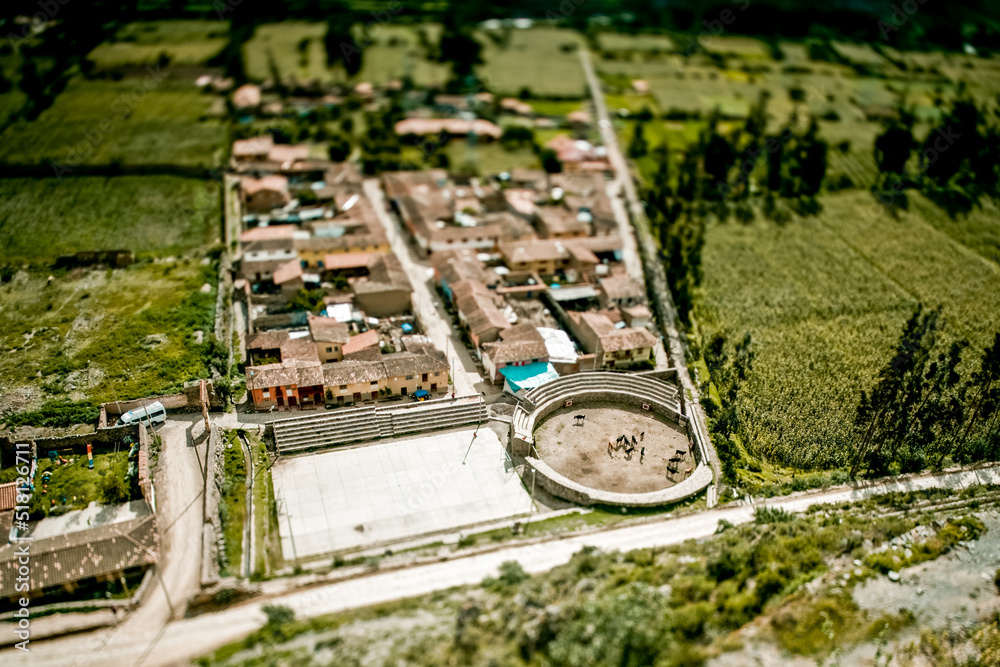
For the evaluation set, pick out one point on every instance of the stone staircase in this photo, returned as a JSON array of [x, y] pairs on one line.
[[364, 424]]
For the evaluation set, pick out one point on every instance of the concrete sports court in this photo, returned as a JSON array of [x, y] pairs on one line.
[[369, 495]]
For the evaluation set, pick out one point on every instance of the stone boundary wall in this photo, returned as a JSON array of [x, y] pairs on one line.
[[522, 448], [211, 526], [103, 438], [189, 399], [563, 487]]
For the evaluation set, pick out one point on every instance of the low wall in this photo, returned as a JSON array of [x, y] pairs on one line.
[[189, 399], [101, 439], [563, 487], [211, 524], [522, 448]]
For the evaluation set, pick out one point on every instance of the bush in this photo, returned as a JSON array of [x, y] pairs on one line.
[[278, 615], [765, 515], [56, 415]]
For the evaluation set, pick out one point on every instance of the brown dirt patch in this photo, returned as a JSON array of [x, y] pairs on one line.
[[581, 452]]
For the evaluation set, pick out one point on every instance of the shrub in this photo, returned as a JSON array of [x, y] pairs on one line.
[[765, 515], [278, 615]]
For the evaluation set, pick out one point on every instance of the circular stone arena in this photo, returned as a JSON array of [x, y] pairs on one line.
[[578, 448]]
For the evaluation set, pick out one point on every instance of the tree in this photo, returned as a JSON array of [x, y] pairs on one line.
[[638, 147], [341, 46], [550, 161], [893, 148], [339, 148], [883, 415], [719, 158]]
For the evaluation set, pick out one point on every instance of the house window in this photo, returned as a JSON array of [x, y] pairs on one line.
[[409, 377], [534, 361], [343, 386], [266, 393], [329, 349], [336, 349], [423, 378], [374, 383]]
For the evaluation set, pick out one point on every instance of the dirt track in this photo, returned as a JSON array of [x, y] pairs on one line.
[[580, 452]]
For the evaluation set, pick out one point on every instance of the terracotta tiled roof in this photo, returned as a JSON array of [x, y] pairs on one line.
[[401, 364], [328, 330], [362, 344], [255, 146], [385, 274], [266, 340], [288, 272], [518, 343], [352, 372], [272, 182], [627, 339], [8, 496], [622, 287], [290, 372], [82, 554]]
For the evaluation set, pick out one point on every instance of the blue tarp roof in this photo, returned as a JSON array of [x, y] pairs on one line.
[[528, 377]]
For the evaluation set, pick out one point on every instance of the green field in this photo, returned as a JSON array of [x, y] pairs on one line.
[[276, 45], [147, 120], [392, 52], [104, 335], [42, 218], [825, 298], [73, 485], [184, 42], [543, 60]]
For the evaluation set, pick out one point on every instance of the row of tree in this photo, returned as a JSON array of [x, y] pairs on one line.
[[959, 157], [718, 166], [921, 410]]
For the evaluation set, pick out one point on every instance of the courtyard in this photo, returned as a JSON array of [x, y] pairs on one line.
[[380, 493], [580, 450]]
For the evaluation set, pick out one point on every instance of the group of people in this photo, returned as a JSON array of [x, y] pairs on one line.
[[629, 444]]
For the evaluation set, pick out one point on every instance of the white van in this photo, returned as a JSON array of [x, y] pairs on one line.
[[154, 413]]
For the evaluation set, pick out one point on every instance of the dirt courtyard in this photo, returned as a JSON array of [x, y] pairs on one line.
[[581, 452]]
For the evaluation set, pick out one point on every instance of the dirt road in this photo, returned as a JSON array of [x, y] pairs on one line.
[[179, 485], [434, 320], [185, 639], [660, 299]]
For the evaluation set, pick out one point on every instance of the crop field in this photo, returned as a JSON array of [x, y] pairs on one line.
[[543, 60], [184, 42], [744, 47], [103, 334], [490, 158], [13, 99], [861, 54], [617, 42], [149, 215], [147, 120], [825, 298], [278, 46], [394, 51]]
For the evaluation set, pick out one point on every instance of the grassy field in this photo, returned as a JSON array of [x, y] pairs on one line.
[[394, 51], [42, 218], [73, 486], [543, 60], [618, 42], [825, 298], [184, 42], [104, 334], [491, 158], [277, 45], [233, 504], [150, 120]]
